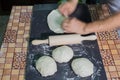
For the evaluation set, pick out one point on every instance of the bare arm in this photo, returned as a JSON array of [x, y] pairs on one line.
[[103, 25], [76, 26]]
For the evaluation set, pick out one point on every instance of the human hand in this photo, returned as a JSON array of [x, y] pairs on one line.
[[68, 7], [73, 25]]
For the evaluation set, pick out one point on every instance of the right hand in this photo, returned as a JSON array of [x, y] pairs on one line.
[[68, 8], [73, 25]]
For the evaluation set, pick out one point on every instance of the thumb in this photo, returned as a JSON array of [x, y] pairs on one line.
[[65, 14]]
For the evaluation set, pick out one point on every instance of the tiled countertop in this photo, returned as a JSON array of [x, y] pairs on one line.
[[14, 47]]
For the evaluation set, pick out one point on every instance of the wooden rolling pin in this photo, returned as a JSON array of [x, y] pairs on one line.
[[64, 39]]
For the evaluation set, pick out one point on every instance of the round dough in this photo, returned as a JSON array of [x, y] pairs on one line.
[[82, 67], [46, 66], [62, 54], [54, 20]]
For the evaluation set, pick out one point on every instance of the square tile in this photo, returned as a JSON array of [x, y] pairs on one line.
[[8, 66], [113, 74], [14, 77], [112, 68], [6, 77], [15, 71], [10, 50], [114, 51], [6, 71]]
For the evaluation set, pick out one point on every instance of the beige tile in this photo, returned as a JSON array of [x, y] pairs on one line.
[[21, 32], [118, 46], [15, 72], [14, 77], [18, 49], [11, 45], [25, 44], [7, 72], [19, 40], [117, 62], [2, 60], [10, 50], [10, 55], [6, 77], [21, 77], [1, 72], [114, 51], [112, 68], [8, 66], [105, 47], [1, 65], [113, 74], [118, 68]]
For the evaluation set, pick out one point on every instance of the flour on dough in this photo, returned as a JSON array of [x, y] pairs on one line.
[[46, 66], [62, 54], [54, 20], [82, 67]]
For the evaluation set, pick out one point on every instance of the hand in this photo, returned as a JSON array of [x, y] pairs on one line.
[[68, 8], [73, 25]]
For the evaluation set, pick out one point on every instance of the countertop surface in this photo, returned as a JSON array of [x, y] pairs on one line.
[[14, 47]]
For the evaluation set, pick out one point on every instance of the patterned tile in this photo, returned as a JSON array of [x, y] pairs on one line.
[[25, 17], [19, 60], [10, 36], [108, 35], [107, 58]]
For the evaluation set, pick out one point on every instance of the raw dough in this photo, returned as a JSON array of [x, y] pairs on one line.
[[54, 20], [82, 67], [46, 66], [62, 54]]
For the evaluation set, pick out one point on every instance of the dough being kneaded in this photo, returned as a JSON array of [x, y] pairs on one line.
[[82, 67], [46, 66], [62, 54], [54, 20]]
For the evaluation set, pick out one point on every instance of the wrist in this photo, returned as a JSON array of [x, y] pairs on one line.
[[86, 29]]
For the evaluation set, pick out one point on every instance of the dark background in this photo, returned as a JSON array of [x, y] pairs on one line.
[[6, 5]]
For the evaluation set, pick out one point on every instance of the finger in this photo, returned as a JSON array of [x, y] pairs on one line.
[[66, 20], [65, 31], [64, 25], [65, 13]]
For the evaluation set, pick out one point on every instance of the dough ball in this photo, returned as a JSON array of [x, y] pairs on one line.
[[54, 20], [62, 54], [82, 67], [46, 66]]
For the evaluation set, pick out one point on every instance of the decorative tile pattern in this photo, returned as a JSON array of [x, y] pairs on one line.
[[107, 58], [25, 17], [109, 44], [108, 35], [19, 60], [14, 46], [10, 36]]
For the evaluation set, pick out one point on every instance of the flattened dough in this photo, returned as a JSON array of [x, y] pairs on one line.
[[54, 20], [62, 54], [46, 66], [82, 67]]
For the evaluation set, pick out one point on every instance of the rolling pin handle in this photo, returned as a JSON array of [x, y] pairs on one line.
[[37, 42]]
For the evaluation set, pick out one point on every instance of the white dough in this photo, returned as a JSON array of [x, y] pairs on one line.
[[62, 54], [82, 67], [54, 20], [46, 66]]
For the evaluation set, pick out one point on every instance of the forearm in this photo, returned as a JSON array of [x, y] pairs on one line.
[[103, 25], [74, 1]]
